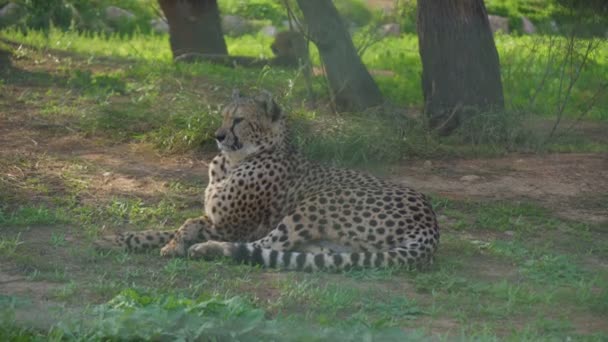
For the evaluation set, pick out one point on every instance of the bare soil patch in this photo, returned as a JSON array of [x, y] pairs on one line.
[[13, 283], [558, 181]]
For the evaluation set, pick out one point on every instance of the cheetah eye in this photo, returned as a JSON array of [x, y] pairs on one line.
[[236, 120]]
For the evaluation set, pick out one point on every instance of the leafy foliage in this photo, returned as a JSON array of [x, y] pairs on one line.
[[85, 15], [137, 315], [553, 16], [255, 9]]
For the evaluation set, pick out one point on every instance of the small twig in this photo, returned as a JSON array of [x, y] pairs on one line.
[[290, 16], [456, 108], [548, 68], [573, 79], [370, 41], [590, 106], [304, 66], [158, 12]]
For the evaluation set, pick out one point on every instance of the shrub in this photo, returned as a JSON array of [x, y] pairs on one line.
[[255, 9]]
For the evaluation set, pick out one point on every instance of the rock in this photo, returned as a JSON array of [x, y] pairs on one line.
[[498, 23], [10, 14], [469, 178], [159, 25], [114, 13], [527, 26], [269, 31], [235, 25], [391, 29], [427, 164]]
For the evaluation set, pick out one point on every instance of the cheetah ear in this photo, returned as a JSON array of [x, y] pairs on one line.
[[265, 100]]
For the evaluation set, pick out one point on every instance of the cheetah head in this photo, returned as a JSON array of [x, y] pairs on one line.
[[250, 125]]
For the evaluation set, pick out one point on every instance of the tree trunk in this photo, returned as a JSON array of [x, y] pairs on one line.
[[352, 86], [194, 27], [460, 66]]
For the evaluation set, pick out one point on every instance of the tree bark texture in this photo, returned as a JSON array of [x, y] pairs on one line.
[[194, 27], [352, 86], [460, 65]]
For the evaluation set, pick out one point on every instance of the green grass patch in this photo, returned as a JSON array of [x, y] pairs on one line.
[[152, 316], [27, 216], [133, 213], [9, 245], [497, 215]]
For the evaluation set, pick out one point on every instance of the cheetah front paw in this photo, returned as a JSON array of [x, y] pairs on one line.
[[210, 250], [173, 249]]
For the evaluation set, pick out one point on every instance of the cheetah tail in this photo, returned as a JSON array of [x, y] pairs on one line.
[[134, 241], [248, 254]]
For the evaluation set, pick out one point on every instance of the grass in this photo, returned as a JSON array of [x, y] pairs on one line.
[[26, 216], [507, 269], [529, 273], [153, 100]]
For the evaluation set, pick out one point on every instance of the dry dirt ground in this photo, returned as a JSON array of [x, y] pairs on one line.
[[560, 182]]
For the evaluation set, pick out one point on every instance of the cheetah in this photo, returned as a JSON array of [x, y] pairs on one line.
[[268, 205]]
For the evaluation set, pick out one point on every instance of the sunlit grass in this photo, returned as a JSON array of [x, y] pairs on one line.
[[524, 62]]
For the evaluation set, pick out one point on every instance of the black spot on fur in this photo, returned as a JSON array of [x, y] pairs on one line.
[[301, 260], [367, 259], [319, 261], [354, 259], [241, 253], [286, 258], [256, 257], [379, 259], [273, 258], [128, 241], [305, 234], [337, 259]]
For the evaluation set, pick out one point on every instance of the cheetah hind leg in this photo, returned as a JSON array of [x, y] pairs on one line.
[[135, 241]]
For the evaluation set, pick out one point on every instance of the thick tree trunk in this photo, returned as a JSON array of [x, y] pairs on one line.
[[352, 86], [460, 66], [194, 27]]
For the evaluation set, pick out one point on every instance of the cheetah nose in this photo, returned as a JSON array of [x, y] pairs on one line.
[[220, 137]]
